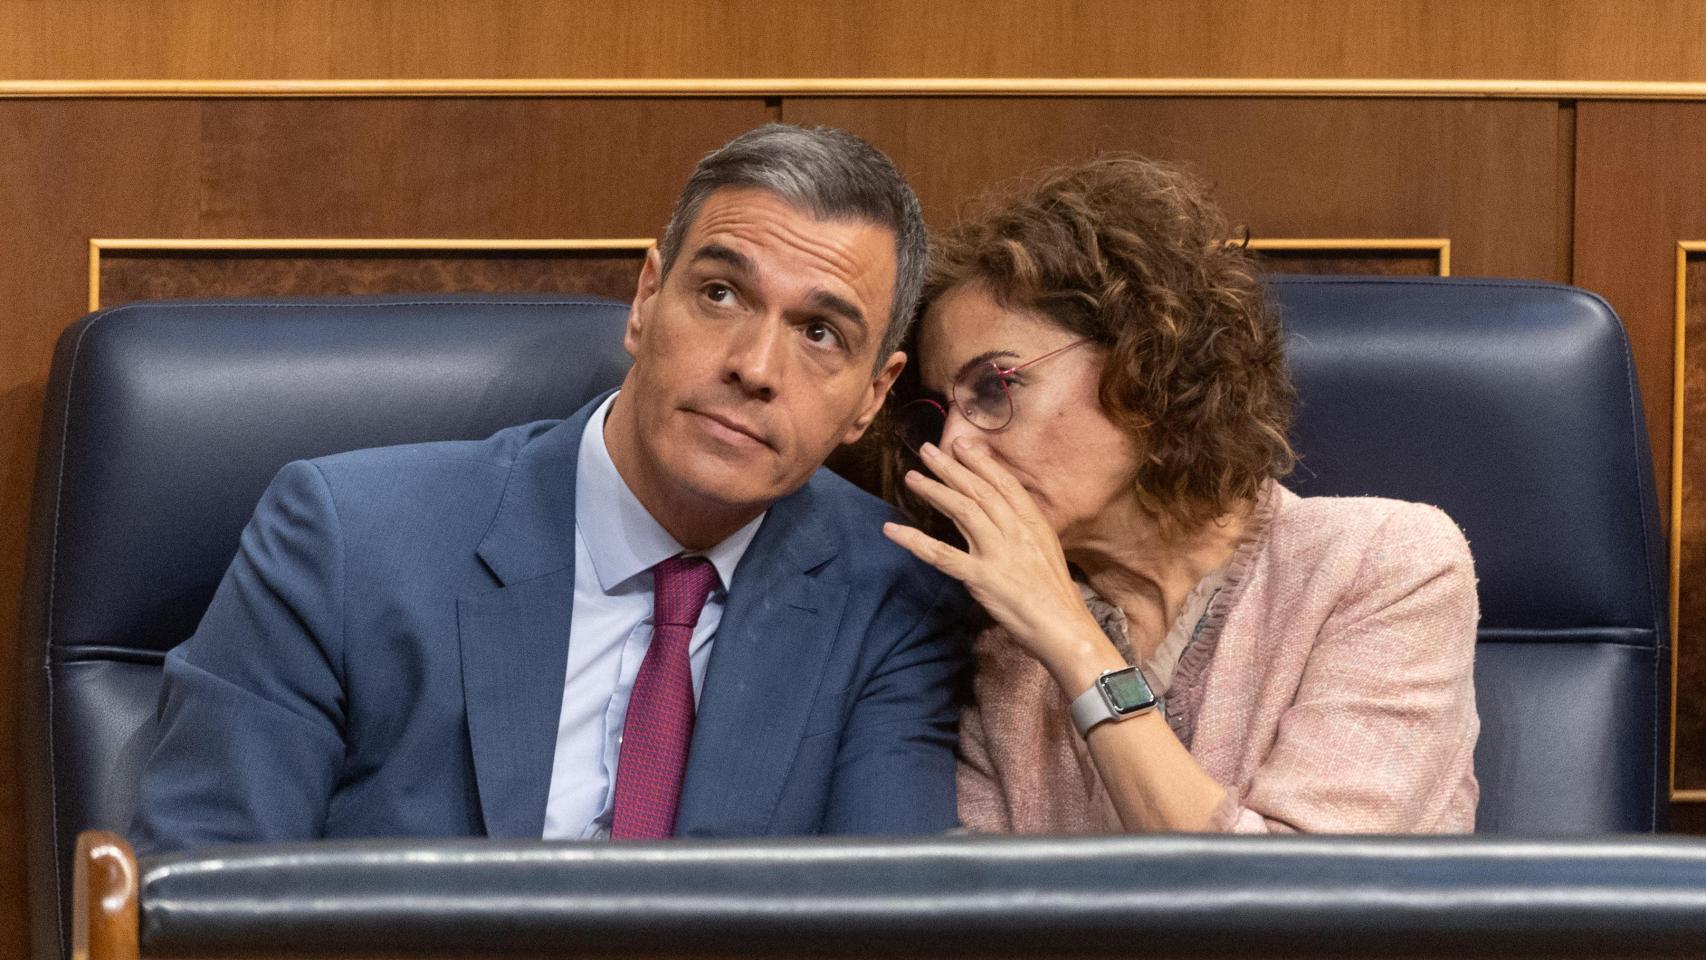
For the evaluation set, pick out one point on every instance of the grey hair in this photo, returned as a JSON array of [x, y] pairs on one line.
[[831, 173]]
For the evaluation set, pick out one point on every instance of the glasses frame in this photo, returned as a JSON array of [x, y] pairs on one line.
[[1004, 374]]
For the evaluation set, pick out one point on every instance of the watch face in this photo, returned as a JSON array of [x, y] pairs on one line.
[[1127, 690]]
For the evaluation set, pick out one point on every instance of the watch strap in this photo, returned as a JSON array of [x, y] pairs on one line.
[[1090, 708]]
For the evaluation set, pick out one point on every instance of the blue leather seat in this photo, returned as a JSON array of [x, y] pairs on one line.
[[164, 422], [1512, 405]]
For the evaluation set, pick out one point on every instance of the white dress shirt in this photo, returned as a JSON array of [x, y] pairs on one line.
[[616, 544]]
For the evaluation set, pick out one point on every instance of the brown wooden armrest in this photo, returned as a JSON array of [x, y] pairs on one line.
[[103, 898]]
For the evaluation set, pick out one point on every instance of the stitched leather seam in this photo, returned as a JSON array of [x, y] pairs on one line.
[[1430, 282], [52, 620], [1600, 644], [100, 653], [1646, 559], [1525, 642], [1641, 497]]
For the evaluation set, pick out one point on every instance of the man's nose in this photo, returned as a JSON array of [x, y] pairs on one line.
[[757, 356]]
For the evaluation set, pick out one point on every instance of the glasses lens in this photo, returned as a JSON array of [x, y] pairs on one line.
[[918, 423], [983, 398]]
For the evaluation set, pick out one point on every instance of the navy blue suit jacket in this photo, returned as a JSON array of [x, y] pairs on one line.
[[386, 654]]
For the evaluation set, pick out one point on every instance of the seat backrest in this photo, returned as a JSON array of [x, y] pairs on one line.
[[1514, 407], [1511, 405], [164, 422]]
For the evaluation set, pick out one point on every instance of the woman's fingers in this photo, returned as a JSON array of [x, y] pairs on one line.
[[971, 519], [976, 459], [953, 471], [955, 563]]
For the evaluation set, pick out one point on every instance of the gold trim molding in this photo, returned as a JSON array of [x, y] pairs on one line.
[[1440, 247], [100, 245], [867, 87], [1684, 249]]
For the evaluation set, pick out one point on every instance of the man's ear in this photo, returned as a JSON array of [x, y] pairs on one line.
[[651, 281], [880, 385]]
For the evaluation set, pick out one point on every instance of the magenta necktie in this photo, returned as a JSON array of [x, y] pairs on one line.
[[660, 710]]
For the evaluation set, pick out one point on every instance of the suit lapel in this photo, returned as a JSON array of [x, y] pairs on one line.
[[515, 647], [766, 665], [515, 639]]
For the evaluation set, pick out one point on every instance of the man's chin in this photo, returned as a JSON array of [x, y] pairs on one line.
[[728, 487]]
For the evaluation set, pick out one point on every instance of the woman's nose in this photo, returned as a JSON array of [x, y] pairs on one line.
[[954, 427]]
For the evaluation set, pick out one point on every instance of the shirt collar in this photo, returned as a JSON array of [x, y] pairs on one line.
[[621, 536]]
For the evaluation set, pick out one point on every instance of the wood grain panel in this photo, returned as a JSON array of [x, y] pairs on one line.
[[1639, 169], [1690, 642], [1498, 178], [217, 39], [137, 275], [75, 169], [454, 167], [1485, 174], [1688, 818], [1377, 263], [61, 169]]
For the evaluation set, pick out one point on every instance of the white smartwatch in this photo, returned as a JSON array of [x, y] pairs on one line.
[[1116, 695]]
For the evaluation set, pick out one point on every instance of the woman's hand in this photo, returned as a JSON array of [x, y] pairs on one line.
[[1013, 564]]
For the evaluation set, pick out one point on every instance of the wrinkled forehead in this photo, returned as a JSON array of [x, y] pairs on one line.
[[788, 246]]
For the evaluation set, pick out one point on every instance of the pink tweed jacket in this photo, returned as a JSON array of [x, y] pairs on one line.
[[1329, 687]]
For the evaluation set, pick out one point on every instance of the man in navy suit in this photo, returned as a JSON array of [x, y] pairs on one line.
[[657, 617]]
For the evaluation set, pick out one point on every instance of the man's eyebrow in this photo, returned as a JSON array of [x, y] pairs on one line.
[[727, 255], [830, 303], [822, 299]]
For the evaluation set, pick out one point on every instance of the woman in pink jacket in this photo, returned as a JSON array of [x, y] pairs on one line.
[[1176, 642]]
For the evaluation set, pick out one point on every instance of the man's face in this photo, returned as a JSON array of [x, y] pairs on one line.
[[755, 357]]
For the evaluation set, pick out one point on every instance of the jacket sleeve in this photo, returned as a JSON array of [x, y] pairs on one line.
[[894, 772], [252, 706], [982, 801], [1381, 735]]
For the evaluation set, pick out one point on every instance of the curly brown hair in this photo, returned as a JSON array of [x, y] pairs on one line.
[[1132, 253]]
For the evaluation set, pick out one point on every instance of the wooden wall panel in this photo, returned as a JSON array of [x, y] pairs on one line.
[[138, 275], [220, 39], [1489, 176], [1640, 167], [1690, 599], [1377, 263], [1639, 171], [1372, 264], [1598, 194], [57, 171], [72, 170]]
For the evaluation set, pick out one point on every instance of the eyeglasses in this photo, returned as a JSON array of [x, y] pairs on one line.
[[982, 394]]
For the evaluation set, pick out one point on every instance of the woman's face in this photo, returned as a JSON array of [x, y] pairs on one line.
[[1059, 445]]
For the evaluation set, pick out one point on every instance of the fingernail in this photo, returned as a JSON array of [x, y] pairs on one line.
[[929, 449], [913, 476]]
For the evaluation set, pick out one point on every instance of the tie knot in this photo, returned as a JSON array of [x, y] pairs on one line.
[[680, 586]]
